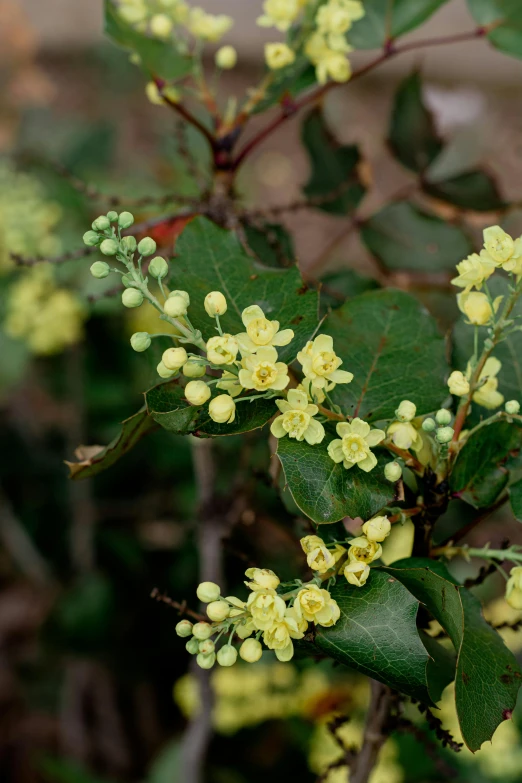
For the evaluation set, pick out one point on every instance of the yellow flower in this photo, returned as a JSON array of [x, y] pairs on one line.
[[215, 302], [278, 55], [316, 606], [266, 608], [377, 529], [313, 393], [222, 349], [514, 264], [487, 395], [262, 371], [458, 384], [230, 384], [363, 550], [222, 409], [356, 572], [498, 244], [473, 271], [208, 27], [354, 447], [477, 308], [279, 635], [514, 588], [329, 57], [260, 331], [406, 411], [404, 435], [337, 17], [297, 420], [321, 364], [226, 58], [279, 13], [262, 579], [318, 556]]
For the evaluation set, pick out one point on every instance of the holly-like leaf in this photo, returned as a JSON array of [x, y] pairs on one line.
[[475, 190], [515, 497], [168, 407], [383, 20], [480, 472], [377, 634], [402, 236], [440, 669], [94, 459], [488, 676], [209, 258], [334, 168], [504, 20], [327, 492], [337, 287], [393, 347], [413, 137]]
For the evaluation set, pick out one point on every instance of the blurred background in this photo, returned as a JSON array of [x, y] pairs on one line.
[[95, 686]]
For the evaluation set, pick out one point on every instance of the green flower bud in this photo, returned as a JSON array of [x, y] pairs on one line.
[[227, 655], [192, 646], [102, 223], [125, 220], [208, 592], [428, 425], [392, 471], [140, 341], [147, 246], [184, 628], [127, 280], [131, 297], [444, 434], [218, 611], [100, 269], [443, 416], [164, 372], [512, 406], [91, 238], [158, 268], [206, 661], [202, 631], [109, 247], [206, 647], [112, 215], [193, 368], [129, 243]]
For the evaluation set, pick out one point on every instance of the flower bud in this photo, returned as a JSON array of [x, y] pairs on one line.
[[208, 592], [444, 434], [184, 628], [202, 631], [109, 247], [222, 409], [476, 306], [215, 304], [377, 529], [174, 358], [164, 372], [91, 238], [356, 573], [102, 223], [514, 588], [428, 425], [218, 611], [512, 406], [443, 416], [251, 650], [392, 471], [176, 305], [192, 646], [458, 384], [194, 368], [261, 579], [147, 246], [129, 243], [140, 341], [226, 57], [406, 411], [227, 655], [197, 392], [158, 268], [206, 661], [125, 220], [112, 215], [161, 25], [206, 647], [131, 297], [100, 269]]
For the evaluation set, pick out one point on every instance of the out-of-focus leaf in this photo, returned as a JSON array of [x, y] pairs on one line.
[[271, 243], [475, 190], [515, 496], [383, 18], [84, 614], [288, 82], [57, 770], [413, 137], [166, 766], [505, 19]]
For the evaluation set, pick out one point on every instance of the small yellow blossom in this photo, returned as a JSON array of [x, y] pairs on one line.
[[377, 529], [364, 550], [222, 349], [297, 419], [404, 435], [354, 446], [321, 364], [476, 306], [316, 605], [356, 572], [498, 244], [278, 55], [279, 635], [337, 16], [488, 395], [226, 58], [318, 556], [197, 392], [458, 384], [222, 409], [262, 371], [514, 588], [330, 63], [208, 27], [215, 302], [262, 579], [266, 608], [406, 411], [260, 331], [474, 271], [514, 264], [279, 14], [230, 384], [251, 650]]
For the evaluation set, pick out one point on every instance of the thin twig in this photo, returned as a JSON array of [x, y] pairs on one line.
[[375, 732], [180, 608], [186, 114]]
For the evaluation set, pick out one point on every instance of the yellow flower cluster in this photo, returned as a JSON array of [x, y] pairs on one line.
[[160, 18], [487, 393], [277, 618], [48, 318]]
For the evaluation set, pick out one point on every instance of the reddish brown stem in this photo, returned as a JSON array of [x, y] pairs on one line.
[[186, 114]]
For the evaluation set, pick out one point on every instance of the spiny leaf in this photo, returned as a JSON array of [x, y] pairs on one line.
[[413, 137]]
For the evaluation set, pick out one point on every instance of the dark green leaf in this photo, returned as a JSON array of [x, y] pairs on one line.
[[440, 669], [327, 492], [160, 58], [209, 258], [413, 137], [337, 287], [480, 473], [474, 190], [288, 82], [271, 243], [334, 168], [168, 407], [515, 496], [505, 18], [383, 19], [57, 770], [488, 676], [377, 634], [94, 459], [402, 236], [393, 347]]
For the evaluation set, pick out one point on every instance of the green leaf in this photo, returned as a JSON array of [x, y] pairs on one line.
[[327, 492], [94, 459], [334, 168], [160, 58], [57, 770], [209, 258], [383, 18], [377, 634], [488, 676], [393, 347], [515, 497], [475, 190], [480, 473], [440, 669], [337, 287], [287, 83], [505, 18], [167, 406], [413, 137], [402, 236], [271, 243]]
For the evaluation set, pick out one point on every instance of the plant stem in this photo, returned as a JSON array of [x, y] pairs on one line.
[[375, 734]]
